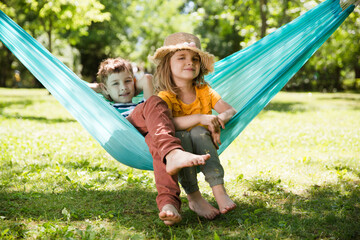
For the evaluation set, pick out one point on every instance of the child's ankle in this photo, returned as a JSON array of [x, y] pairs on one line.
[[194, 195], [219, 189]]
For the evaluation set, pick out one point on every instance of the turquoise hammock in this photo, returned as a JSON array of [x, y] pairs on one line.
[[247, 79]]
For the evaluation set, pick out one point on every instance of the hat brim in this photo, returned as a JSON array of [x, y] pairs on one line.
[[207, 59]]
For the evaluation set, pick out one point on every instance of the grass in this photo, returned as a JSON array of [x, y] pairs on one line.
[[294, 173]]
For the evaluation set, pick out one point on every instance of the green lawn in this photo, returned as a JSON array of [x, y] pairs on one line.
[[294, 174]]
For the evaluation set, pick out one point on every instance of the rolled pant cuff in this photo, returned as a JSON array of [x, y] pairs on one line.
[[166, 151], [215, 181], [191, 189]]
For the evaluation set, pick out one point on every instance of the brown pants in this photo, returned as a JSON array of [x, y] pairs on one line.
[[152, 119]]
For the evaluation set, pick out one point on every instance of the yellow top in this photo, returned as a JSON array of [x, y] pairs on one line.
[[205, 100]]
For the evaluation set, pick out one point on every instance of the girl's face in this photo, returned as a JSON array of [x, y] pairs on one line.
[[185, 65]]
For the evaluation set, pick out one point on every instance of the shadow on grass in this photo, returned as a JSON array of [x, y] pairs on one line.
[[321, 212], [266, 212], [38, 119], [352, 99], [131, 207], [82, 204], [23, 103], [290, 107], [352, 103]]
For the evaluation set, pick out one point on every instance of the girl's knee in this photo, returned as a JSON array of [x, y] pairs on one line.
[[185, 139], [199, 133], [182, 134], [198, 130]]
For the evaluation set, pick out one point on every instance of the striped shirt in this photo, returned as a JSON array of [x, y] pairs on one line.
[[123, 108]]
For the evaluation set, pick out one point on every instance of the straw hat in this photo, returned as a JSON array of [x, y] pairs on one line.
[[180, 41]]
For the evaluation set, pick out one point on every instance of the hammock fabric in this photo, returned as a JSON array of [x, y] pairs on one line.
[[247, 79]]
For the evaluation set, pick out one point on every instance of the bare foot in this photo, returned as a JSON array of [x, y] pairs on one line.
[[170, 215], [202, 207], [178, 159], [223, 200]]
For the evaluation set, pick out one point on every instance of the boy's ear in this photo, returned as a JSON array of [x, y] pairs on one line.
[[104, 91], [103, 88]]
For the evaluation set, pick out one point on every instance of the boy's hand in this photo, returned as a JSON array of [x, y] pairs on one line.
[[99, 88], [144, 85], [96, 87]]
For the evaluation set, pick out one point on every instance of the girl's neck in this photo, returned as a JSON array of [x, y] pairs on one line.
[[184, 86], [186, 91]]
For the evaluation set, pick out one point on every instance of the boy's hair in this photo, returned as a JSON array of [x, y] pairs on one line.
[[163, 78], [113, 65]]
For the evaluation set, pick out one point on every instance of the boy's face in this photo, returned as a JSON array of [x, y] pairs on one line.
[[120, 87]]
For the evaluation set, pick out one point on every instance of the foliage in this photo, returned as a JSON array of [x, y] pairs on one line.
[[136, 29], [293, 173], [53, 22], [334, 62], [63, 18], [152, 21], [82, 33]]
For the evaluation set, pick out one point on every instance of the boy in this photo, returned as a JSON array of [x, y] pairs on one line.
[[119, 85], [152, 119]]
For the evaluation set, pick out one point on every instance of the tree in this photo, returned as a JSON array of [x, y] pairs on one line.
[[66, 17], [136, 29], [103, 38], [150, 22], [7, 59], [232, 24], [263, 15], [57, 19], [220, 26], [336, 60]]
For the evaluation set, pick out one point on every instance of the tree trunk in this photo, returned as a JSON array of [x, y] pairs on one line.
[[49, 35], [263, 14], [285, 18], [357, 70], [236, 38], [357, 75], [337, 81], [5, 66]]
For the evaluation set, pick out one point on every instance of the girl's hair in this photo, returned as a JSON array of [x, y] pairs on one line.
[[113, 65], [163, 77]]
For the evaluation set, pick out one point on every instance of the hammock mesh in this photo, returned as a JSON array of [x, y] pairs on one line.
[[247, 79]]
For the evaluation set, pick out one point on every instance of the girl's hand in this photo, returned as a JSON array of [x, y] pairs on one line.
[[216, 138], [213, 122]]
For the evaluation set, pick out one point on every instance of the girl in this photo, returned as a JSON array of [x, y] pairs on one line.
[[179, 81]]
